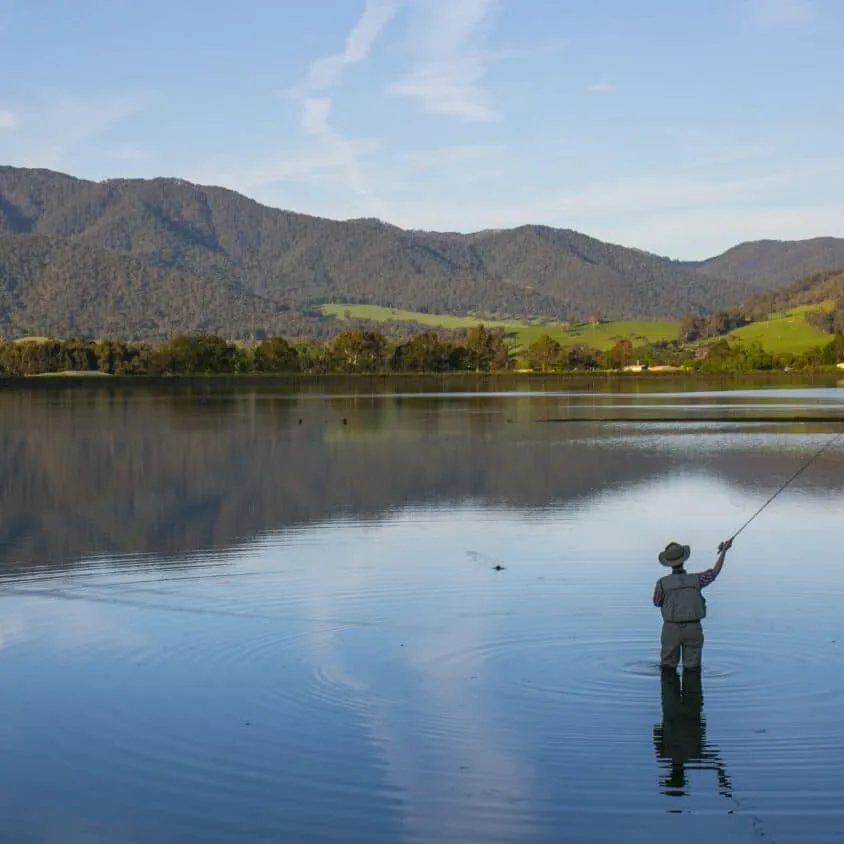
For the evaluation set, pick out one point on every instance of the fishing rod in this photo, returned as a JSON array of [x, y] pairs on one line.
[[800, 471]]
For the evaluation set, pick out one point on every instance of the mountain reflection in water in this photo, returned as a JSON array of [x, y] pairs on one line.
[[123, 472], [432, 623]]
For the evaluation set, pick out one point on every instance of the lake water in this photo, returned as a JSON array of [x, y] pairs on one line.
[[236, 617]]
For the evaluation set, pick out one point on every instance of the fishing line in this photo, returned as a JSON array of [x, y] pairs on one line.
[[69, 595], [81, 576], [163, 580], [800, 471], [32, 587]]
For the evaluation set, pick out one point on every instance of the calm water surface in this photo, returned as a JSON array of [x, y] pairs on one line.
[[236, 617]]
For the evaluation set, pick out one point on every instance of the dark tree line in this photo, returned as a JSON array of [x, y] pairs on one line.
[[739, 357], [695, 327], [832, 322], [476, 349], [479, 349], [547, 355]]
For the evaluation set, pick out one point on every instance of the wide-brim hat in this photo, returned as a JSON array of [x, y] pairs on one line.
[[674, 554]]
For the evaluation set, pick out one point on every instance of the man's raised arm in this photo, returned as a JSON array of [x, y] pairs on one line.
[[708, 576]]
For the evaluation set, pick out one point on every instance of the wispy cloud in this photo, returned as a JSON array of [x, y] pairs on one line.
[[782, 12], [8, 119], [52, 132], [343, 153], [602, 88], [338, 152], [316, 167], [326, 72], [76, 119], [449, 64]]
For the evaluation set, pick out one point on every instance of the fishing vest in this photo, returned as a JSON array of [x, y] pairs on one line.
[[683, 599]]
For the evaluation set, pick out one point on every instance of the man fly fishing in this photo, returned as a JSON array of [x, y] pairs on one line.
[[683, 606], [679, 594]]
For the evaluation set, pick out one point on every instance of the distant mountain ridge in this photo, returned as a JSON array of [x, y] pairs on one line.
[[819, 288], [149, 258], [775, 263]]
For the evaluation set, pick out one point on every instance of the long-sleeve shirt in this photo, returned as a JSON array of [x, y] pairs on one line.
[[704, 578]]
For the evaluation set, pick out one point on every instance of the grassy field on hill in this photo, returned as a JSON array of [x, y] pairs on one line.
[[784, 333], [524, 333], [379, 314]]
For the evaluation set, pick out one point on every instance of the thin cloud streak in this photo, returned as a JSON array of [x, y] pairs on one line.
[[318, 168], [338, 152], [54, 132], [8, 119], [449, 66], [327, 72], [343, 153]]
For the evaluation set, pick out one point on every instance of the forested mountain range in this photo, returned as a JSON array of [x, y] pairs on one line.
[[143, 259], [771, 264], [63, 287]]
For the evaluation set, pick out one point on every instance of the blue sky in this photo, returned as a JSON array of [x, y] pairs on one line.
[[677, 126]]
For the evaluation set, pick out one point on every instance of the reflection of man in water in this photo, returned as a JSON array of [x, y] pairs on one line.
[[681, 738], [678, 595]]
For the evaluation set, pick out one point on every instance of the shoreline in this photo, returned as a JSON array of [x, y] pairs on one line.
[[826, 376]]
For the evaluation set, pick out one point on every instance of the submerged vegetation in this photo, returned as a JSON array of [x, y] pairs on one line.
[[476, 349]]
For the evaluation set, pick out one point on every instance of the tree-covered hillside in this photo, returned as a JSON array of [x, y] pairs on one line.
[[147, 258]]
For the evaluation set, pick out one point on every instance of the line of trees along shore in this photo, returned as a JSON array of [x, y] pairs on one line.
[[477, 349]]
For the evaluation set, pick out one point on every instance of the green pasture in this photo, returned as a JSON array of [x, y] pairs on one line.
[[523, 333], [605, 335], [379, 314], [785, 333]]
